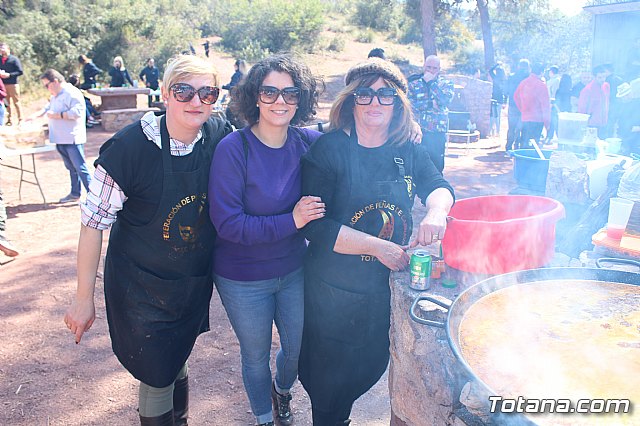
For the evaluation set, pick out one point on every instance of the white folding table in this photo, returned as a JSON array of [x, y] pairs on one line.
[[8, 153]]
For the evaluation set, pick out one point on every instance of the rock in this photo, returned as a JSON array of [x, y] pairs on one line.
[[424, 376], [477, 100], [116, 119], [567, 180]]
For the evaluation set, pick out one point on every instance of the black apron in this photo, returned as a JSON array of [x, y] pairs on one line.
[[158, 276], [345, 346]]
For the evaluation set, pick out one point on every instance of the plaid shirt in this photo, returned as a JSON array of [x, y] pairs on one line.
[[105, 198], [430, 101]]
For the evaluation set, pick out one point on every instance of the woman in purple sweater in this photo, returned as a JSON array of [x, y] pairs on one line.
[[257, 209]]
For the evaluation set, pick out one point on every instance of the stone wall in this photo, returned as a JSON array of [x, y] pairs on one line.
[[477, 99], [116, 119], [427, 385]]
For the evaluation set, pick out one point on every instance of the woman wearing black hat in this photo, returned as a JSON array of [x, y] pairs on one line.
[[367, 173]]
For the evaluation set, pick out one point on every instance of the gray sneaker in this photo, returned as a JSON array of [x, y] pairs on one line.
[[69, 198]]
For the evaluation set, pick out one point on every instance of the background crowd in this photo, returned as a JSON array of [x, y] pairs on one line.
[[535, 95]]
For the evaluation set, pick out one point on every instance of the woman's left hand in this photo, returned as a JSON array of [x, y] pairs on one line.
[[432, 228], [308, 208]]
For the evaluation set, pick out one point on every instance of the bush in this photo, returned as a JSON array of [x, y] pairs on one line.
[[343, 7], [336, 44], [376, 14], [60, 30], [253, 52], [275, 25], [365, 36], [451, 32], [468, 58]]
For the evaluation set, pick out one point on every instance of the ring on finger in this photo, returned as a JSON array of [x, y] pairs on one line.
[[435, 237]]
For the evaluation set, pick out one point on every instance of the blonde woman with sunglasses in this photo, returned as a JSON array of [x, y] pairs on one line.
[[258, 209], [150, 188]]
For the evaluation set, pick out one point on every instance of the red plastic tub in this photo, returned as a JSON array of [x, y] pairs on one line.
[[501, 233]]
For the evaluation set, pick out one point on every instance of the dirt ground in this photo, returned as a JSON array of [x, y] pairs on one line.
[[46, 379]]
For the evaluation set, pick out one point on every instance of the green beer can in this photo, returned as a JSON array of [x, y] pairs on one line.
[[420, 270]]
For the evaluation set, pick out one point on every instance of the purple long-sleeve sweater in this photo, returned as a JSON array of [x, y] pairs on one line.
[[252, 197]]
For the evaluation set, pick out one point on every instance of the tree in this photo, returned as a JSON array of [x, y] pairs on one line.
[[487, 38], [427, 12], [550, 36]]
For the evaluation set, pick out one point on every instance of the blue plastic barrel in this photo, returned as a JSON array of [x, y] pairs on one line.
[[529, 170]]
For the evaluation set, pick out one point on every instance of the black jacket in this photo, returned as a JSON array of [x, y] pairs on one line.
[[13, 67], [119, 77], [89, 72]]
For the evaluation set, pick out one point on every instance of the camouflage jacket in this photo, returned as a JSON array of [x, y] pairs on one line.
[[430, 101]]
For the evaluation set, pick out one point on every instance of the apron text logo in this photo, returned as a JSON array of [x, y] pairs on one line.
[[166, 226]]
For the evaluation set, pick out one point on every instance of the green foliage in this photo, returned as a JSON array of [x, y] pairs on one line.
[[273, 25], [252, 52], [376, 14], [536, 32], [341, 7], [451, 32], [53, 33], [469, 57], [365, 36], [336, 44]]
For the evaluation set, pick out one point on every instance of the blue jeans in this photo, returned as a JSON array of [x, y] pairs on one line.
[[2, 112], [252, 307], [73, 157]]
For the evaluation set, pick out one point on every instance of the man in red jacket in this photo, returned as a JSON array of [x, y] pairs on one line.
[[594, 100], [532, 99]]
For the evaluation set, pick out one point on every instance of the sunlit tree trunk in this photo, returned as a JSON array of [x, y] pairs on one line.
[[427, 10], [487, 38]]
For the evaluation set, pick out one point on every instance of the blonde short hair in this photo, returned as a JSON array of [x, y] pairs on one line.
[[182, 67], [119, 58]]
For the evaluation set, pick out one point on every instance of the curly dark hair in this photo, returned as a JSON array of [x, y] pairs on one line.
[[245, 95]]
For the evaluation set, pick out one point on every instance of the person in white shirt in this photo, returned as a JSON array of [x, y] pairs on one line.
[[66, 112], [554, 81]]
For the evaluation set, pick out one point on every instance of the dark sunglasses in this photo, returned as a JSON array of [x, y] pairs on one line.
[[385, 95], [183, 92], [269, 94]]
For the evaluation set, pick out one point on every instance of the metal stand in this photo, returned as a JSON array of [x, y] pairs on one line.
[[23, 171]]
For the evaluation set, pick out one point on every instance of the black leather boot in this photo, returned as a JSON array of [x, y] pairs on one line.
[[181, 401], [164, 420], [281, 407]]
